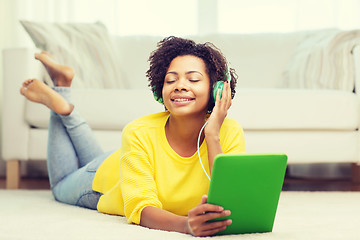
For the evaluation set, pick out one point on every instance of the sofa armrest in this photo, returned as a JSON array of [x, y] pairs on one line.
[[18, 65]]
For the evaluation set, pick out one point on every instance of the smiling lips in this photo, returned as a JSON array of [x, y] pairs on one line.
[[182, 99]]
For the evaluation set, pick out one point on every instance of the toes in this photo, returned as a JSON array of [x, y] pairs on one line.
[[27, 82], [44, 56], [23, 90], [47, 54], [40, 56], [37, 55]]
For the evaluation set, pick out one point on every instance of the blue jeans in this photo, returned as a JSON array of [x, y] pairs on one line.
[[74, 156]]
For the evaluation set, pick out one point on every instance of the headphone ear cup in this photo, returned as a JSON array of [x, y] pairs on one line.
[[217, 85], [157, 98]]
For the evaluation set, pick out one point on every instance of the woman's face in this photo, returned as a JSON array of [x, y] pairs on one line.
[[186, 86]]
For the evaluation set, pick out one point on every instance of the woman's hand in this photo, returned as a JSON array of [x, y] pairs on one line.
[[199, 216], [219, 112], [215, 121]]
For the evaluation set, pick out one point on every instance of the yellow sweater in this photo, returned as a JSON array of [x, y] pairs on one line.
[[148, 172]]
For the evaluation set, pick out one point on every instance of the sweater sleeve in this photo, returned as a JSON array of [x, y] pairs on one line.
[[137, 181], [233, 138]]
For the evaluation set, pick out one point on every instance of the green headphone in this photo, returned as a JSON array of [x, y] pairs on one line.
[[220, 84], [217, 85]]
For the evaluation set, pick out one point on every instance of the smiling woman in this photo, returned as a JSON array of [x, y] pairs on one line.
[[150, 178]]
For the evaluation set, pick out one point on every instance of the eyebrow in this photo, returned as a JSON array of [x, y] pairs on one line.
[[189, 72]]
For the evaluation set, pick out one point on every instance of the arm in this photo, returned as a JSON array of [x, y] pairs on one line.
[[215, 121], [142, 206], [156, 218], [195, 223]]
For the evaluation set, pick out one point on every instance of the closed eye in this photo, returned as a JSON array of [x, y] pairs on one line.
[[194, 80]]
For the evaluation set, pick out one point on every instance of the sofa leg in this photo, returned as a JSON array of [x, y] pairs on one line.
[[355, 172], [13, 174]]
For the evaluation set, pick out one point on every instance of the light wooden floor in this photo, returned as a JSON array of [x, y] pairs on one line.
[[290, 184]]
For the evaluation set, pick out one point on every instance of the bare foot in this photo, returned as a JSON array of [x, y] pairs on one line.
[[37, 91], [61, 75]]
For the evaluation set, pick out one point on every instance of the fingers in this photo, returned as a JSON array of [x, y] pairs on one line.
[[199, 217], [224, 102], [219, 111], [205, 228], [203, 208], [212, 215], [226, 95], [212, 231], [217, 226], [212, 228], [203, 199], [218, 96]]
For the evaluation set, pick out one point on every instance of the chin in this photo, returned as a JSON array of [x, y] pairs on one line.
[[184, 113]]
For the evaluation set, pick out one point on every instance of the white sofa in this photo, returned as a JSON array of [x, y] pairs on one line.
[[308, 123]]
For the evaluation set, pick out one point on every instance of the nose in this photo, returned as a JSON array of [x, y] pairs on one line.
[[181, 85]]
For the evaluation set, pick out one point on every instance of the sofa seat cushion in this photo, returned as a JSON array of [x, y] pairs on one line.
[[295, 109], [109, 109], [254, 109]]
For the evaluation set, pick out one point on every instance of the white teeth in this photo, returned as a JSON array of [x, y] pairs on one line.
[[181, 100]]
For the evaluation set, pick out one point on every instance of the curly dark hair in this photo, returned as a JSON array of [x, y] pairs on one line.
[[172, 47]]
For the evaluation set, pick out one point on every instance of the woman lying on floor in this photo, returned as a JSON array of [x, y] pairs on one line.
[[155, 179]]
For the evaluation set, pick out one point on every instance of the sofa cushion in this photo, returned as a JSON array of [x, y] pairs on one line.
[[37, 145], [109, 109], [88, 48], [324, 59], [255, 109], [295, 109], [306, 146]]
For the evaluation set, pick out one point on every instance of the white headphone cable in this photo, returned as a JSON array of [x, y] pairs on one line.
[[198, 148]]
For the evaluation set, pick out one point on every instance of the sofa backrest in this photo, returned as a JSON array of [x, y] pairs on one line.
[[134, 52], [259, 59]]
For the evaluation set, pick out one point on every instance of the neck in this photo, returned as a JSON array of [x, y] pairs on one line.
[[185, 129], [182, 134]]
